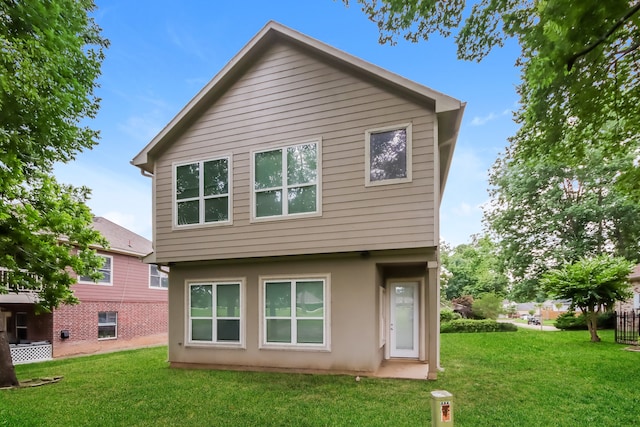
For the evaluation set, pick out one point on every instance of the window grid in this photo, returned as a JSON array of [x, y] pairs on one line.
[[294, 317], [106, 270], [201, 198], [285, 187], [214, 314]]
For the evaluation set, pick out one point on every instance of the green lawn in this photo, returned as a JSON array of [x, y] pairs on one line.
[[527, 378]]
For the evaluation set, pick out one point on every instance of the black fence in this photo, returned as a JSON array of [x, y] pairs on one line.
[[628, 327]]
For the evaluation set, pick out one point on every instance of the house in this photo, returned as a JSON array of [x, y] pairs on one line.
[[296, 202], [632, 303], [126, 308]]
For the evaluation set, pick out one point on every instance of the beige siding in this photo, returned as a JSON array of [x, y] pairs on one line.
[[354, 333], [287, 97]]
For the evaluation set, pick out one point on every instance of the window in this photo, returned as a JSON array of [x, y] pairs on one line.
[[107, 325], [202, 192], [21, 326], [157, 279], [286, 181], [636, 301], [216, 313], [106, 270], [388, 155], [295, 312]]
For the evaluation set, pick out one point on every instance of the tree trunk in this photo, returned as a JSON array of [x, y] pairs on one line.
[[592, 324], [7, 371]]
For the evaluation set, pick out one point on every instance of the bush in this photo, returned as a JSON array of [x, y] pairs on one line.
[[570, 322], [466, 325], [447, 315]]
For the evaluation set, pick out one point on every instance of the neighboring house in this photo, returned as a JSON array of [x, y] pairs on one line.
[[296, 201], [632, 303], [126, 308]]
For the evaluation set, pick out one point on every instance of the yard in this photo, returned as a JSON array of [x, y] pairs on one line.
[[527, 378]]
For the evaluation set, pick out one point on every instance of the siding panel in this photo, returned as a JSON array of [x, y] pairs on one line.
[[288, 97]]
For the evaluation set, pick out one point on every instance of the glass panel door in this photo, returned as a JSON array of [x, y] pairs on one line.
[[403, 322]]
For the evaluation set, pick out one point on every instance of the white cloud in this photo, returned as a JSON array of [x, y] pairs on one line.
[[480, 121], [124, 198]]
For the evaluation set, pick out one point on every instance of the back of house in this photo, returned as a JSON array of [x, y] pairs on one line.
[[296, 202]]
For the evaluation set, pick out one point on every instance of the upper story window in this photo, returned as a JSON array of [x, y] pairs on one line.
[[106, 270], [202, 192], [286, 181], [157, 279], [388, 155]]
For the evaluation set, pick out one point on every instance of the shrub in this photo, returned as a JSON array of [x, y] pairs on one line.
[[447, 315], [466, 325], [570, 322]]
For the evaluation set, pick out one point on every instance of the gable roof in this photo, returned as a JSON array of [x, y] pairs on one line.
[[122, 240], [449, 110]]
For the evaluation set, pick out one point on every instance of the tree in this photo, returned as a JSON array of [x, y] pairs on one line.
[[544, 214], [593, 285], [472, 269], [579, 61], [50, 57], [488, 306]]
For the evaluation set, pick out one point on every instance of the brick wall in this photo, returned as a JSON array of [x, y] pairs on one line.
[[139, 324]]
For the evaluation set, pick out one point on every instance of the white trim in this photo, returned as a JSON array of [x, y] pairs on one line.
[[417, 325], [318, 184], [382, 307], [201, 197], [115, 337], [409, 155], [109, 283], [241, 344], [326, 279], [161, 274]]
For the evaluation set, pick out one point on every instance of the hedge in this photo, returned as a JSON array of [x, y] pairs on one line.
[[467, 325]]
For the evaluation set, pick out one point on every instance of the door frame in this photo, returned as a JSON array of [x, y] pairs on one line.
[[419, 319]]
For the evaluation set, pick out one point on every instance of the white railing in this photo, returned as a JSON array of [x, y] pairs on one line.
[[29, 353], [5, 281]]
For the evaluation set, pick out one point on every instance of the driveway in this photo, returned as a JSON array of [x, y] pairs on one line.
[[527, 326]]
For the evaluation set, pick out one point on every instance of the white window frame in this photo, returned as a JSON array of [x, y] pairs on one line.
[[409, 153], [636, 300], [284, 187], [241, 344], [324, 347], [201, 198], [115, 337], [160, 276], [87, 281]]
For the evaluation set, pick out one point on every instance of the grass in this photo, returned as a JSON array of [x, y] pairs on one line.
[[526, 378]]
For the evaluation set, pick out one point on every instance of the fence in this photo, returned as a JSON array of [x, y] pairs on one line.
[[28, 353], [628, 327]]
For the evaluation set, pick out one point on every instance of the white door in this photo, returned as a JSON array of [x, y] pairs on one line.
[[403, 319]]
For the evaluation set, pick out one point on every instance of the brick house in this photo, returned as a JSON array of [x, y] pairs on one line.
[[126, 308], [632, 303]]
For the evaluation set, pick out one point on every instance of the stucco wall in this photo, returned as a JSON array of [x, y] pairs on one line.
[[355, 281]]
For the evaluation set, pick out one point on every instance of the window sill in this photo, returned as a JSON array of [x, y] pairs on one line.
[[295, 347], [230, 346]]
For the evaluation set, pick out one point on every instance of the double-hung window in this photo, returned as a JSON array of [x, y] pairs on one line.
[[106, 270], [202, 192], [107, 325], [157, 279], [388, 155], [286, 181], [295, 312], [216, 312]]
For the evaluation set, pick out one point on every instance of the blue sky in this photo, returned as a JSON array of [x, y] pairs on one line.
[[163, 52]]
